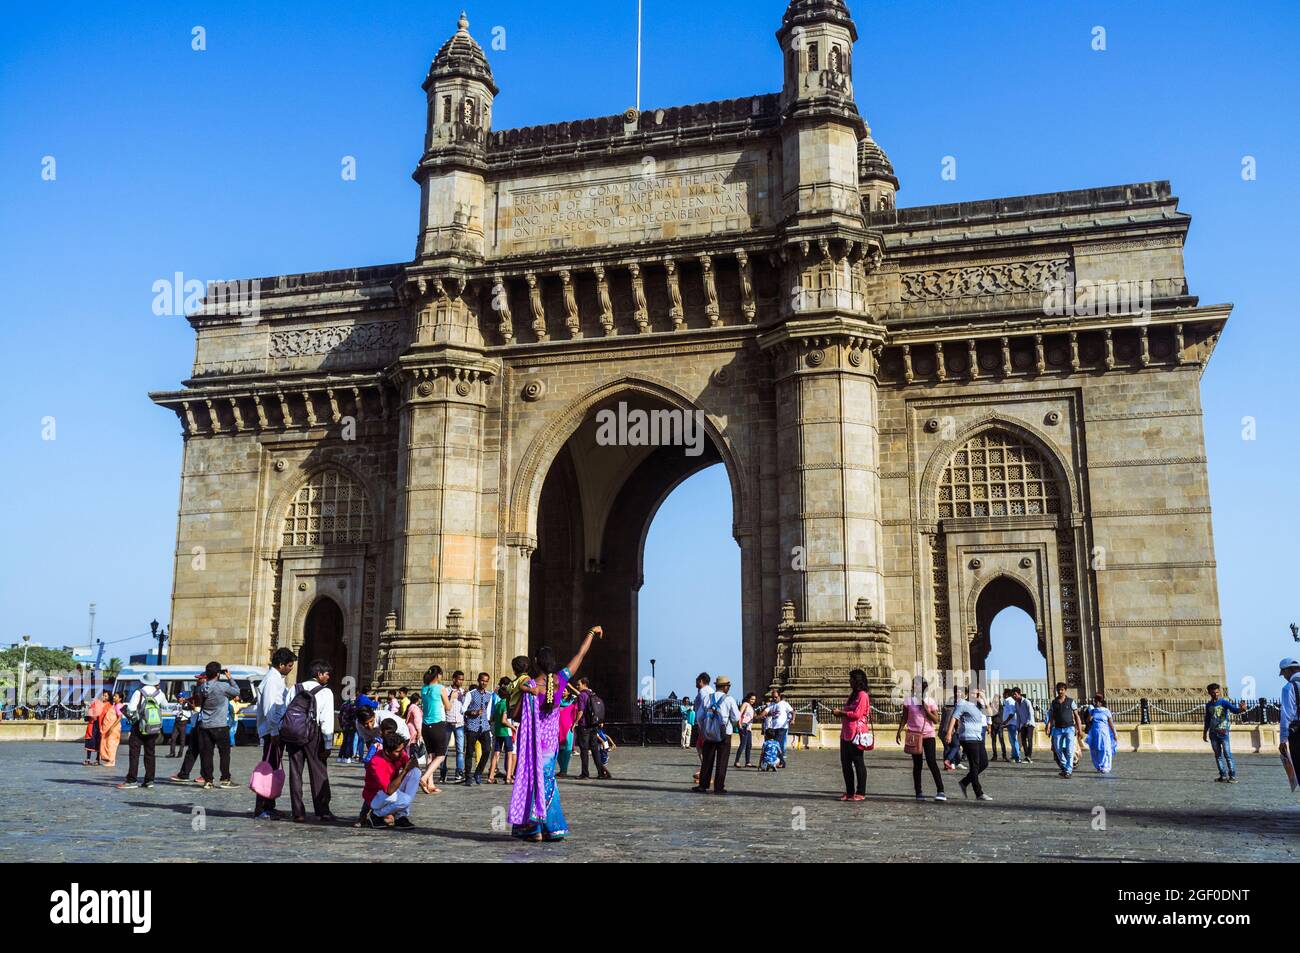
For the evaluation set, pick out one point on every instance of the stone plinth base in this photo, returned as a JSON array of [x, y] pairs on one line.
[[405, 655], [814, 659]]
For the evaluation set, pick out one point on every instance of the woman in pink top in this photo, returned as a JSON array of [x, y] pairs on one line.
[[414, 719], [920, 716], [855, 717]]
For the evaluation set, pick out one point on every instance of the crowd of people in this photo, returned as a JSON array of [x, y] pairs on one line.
[[523, 731]]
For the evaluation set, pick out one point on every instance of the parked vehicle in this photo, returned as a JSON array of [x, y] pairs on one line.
[[174, 679]]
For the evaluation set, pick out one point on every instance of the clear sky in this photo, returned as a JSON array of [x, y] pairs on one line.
[[226, 163]]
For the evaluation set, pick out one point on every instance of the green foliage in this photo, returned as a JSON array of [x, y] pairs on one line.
[[47, 660]]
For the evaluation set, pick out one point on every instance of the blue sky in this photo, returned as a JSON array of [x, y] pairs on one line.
[[225, 163]]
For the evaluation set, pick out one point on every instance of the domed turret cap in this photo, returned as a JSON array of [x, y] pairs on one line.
[[804, 12], [461, 56], [873, 163]]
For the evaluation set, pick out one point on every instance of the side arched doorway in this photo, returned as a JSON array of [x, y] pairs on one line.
[[1010, 641], [323, 638]]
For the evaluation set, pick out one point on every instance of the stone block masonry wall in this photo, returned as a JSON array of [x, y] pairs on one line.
[[216, 549], [1150, 510]]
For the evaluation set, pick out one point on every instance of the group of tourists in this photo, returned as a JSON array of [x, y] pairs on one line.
[[524, 729], [522, 724]]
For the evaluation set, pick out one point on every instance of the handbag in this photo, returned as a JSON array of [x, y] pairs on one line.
[[267, 781], [912, 744]]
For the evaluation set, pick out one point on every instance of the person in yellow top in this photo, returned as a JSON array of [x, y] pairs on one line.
[[515, 690]]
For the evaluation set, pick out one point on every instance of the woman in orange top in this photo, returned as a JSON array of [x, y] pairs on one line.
[[110, 731], [93, 711]]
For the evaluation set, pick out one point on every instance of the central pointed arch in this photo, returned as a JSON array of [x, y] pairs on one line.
[[526, 489]]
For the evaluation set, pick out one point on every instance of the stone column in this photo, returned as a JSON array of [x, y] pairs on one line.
[[829, 509], [441, 544]]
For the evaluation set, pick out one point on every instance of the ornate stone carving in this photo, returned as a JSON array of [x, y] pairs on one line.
[[1024, 276], [606, 306], [536, 305], [674, 296], [640, 312], [710, 292], [533, 390], [748, 306], [343, 338], [570, 305], [501, 304]]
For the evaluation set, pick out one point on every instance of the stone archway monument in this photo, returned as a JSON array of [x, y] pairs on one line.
[[742, 263]]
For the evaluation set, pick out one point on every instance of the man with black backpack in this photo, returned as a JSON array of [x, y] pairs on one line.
[[307, 731], [591, 718], [144, 708]]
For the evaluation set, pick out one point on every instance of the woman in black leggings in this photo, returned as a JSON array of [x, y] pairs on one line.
[[855, 717], [919, 718]]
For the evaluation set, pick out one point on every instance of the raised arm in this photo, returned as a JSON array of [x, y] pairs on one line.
[[594, 632]]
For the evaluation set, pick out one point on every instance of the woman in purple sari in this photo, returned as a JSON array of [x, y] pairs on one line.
[[535, 812]]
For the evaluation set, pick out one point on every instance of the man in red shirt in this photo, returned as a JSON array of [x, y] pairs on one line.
[[390, 786]]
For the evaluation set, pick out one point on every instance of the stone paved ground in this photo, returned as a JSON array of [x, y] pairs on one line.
[[1159, 807]]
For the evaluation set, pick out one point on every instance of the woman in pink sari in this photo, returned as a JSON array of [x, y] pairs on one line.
[[110, 731], [535, 812]]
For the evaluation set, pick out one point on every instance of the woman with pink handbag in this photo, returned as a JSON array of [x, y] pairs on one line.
[[919, 717], [856, 736]]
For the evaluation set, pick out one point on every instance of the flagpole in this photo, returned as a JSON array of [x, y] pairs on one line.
[[638, 55]]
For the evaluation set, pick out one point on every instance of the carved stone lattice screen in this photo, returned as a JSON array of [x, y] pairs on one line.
[[330, 508], [998, 474]]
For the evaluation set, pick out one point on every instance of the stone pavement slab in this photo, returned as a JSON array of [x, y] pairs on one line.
[[1156, 807]]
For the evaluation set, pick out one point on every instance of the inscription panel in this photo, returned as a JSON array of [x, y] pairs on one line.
[[630, 205]]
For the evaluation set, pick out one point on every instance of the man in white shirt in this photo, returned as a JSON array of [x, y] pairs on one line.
[[272, 698], [316, 752], [717, 717], [1006, 726], [141, 736], [1022, 727], [1289, 716], [776, 717]]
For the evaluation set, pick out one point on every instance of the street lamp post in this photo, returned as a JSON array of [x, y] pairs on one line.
[[654, 687], [22, 678], [160, 636]]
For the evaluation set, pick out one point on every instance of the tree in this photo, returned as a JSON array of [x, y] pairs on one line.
[[113, 667], [39, 660]]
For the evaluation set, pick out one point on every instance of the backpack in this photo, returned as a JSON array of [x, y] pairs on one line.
[[348, 716], [712, 724], [594, 714], [148, 713], [300, 725]]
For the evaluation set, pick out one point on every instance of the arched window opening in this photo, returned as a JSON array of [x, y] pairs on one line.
[[998, 474], [329, 508]]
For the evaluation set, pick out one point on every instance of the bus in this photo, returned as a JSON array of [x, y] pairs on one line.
[[174, 679]]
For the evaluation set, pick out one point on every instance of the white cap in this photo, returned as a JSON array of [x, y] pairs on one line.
[[1287, 663]]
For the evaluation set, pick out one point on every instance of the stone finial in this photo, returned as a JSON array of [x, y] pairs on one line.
[[787, 612], [454, 618], [462, 23], [390, 621], [862, 611]]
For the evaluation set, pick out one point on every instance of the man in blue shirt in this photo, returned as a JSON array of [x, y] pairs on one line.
[[1217, 731], [478, 727]]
